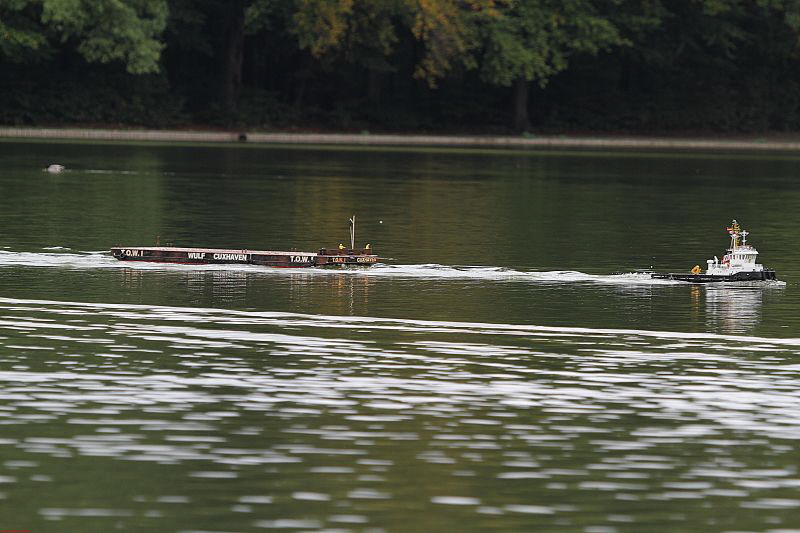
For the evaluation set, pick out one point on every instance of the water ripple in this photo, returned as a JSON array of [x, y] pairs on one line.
[[318, 422], [103, 260]]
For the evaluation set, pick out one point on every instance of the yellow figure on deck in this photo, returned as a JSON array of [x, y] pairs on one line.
[[696, 269], [341, 246], [367, 247]]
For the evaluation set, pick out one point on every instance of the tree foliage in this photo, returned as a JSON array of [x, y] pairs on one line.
[[388, 64], [100, 30], [21, 37], [534, 40], [443, 29]]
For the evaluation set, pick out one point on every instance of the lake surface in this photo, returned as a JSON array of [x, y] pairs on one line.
[[502, 370]]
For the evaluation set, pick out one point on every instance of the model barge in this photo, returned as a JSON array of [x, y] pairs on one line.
[[738, 264], [339, 257]]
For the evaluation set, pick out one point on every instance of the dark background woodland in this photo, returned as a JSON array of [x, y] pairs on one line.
[[473, 66]]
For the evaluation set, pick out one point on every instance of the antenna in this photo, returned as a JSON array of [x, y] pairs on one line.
[[353, 232]]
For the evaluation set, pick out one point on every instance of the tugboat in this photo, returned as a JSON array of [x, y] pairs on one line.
[[738, 264], [339, 257]]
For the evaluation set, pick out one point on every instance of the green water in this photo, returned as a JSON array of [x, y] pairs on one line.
[[495, 373]]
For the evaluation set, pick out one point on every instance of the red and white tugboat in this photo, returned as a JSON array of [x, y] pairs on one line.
[[738, 264], [338, 257]]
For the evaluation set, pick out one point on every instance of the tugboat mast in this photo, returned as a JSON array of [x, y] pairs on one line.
[[735, 231]]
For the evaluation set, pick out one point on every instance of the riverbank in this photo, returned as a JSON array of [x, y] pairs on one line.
[[368, 139]]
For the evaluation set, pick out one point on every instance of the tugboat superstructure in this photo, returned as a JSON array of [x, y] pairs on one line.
[[738, 263]]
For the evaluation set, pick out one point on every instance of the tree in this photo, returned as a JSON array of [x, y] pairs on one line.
[[533, 41], [442, 28], [360, 33], [232, 52], [712, 64], [21, 34], [100, 30]]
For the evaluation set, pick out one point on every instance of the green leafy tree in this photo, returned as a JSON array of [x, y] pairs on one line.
[[447, 30], [360, 33], [713, 64], [443, 29], [21, 33], [100, 30], [533, 41]]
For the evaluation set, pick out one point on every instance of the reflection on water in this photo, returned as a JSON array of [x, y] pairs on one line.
[[511, 385], [734, 309], [427, 291], [103, 260], [197, 419]]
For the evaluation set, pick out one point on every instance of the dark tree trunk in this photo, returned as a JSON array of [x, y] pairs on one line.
[[373, 86], [521, 104], [232, 55]]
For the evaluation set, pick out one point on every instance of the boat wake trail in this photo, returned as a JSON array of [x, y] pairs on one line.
[[502, 274], [102, 259], [55, 257]]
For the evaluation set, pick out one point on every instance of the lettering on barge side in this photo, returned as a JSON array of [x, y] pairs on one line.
[[353, 259], [300, 258], [132, 253], [230, 257], [197, 255]]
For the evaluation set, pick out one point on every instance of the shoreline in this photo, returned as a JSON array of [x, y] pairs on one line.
[[409, 140]]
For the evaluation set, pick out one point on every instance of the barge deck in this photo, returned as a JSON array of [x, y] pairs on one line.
[[325, 257], [219, 256]]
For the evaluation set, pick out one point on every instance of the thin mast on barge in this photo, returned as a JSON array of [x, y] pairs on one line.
[[210, 256], [738, 264]]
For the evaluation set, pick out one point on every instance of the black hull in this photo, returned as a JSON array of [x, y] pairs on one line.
[[212, 256], [764, 275]]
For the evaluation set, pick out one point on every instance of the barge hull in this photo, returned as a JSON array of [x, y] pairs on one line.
[[213, 256]]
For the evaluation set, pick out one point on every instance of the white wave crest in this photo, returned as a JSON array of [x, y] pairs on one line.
[[103, 260]]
